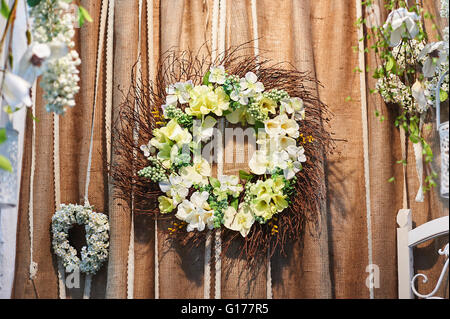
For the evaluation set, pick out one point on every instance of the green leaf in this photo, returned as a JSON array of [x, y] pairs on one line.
[[4, 9], [414, 139], [5, 164], [392, 179], [245, 176], [443, 95], [33, 3], [206, 78], [2, 135], [258, 125], [214, 182], [83, 15], [235, 203], [390, 64]]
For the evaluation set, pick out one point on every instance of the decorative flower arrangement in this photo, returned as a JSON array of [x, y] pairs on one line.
[[409, 69], [97, 238], [177, 114]]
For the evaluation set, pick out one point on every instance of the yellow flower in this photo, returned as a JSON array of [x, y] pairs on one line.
[[261, 207], [205, 100], [267, 105], [280, 202], [165, 204], [198, 173], [176, 133]]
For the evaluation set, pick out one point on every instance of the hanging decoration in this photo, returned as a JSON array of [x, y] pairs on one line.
[[171, 176], [408, 71], [96, 225]]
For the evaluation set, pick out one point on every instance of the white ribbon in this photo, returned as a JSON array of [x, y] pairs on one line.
[[418, 154]]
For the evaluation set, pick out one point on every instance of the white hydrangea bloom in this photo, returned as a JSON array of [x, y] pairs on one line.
[[444, 8], [53, 23]]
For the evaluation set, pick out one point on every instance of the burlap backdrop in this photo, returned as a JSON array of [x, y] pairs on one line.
[[330, 263]]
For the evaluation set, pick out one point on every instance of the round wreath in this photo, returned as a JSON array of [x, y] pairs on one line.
[[167, 176], [97, 238]]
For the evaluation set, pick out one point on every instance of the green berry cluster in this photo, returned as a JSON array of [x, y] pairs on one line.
[[183, 119], [248, 191], [260, 219], [154, 172], [255, 111], [181, 161], [203, 188], [276, 95], [218, 207]]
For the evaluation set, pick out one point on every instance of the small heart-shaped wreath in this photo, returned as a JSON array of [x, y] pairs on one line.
[[96, 226]]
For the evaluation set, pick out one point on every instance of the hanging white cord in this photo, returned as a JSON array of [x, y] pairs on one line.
[[33, 264], [208, 242], [130, 264], [220, 155], [57, 181], [418, 154], [109, 78], [269, 292], [150, 71], [363, 86]]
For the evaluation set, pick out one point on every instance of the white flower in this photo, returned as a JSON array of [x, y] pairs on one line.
[[288, 126], [444, 9], [32, 63], [196, 212], [239, 96], [296, 153], [217, 75], [250, 85], [206, 129], [176, 187], [148, 149], [230, 184], [418, 92], [292, 169], [278, 159], [434, 55], [294, 106], [297, 157], [404, 24], [179, 92], [240, 221], [259, 162], [16, 91], [281, 125], [53, 25], [273, 126]]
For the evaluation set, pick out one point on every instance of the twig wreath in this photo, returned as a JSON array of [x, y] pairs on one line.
[[162, 166], [96, 225]]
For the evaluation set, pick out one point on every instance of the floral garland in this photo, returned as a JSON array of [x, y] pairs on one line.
[[409, 69], [53, 25], [167, 166], [215, 201], [97, 238]]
